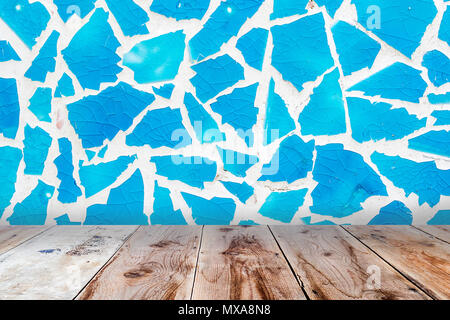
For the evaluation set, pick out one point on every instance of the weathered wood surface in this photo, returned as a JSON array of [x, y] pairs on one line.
[[419, 256], [157, 262], [440, 232], [332, 264], [59, 262], [12, 236], [243, 263]]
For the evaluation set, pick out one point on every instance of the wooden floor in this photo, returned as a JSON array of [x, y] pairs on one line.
[[212, 262]]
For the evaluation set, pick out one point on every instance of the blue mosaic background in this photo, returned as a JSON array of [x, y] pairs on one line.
[[224, 112]]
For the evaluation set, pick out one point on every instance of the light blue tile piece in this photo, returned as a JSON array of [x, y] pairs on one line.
[[181, 9], [9, 163], [91, 54], [99, 117], [331, 5], [282, 206], [307, 221], [436, 142], [36, 144], [301, 52], [439, 98], [67, 8], [216, 211], [242, 191], [7, 52], [247, 223], [215, 75], [442, 116], [377, 121], [278, 121], [325, 112], [444, 31], [96, 177], [163, 212], [401, 24], [160, 128], [33, 209], [395, 213], [438, 65], [130, 16], [68, 190], [398, 81], [194, 171], [157, 59], [9, 108], [125, 205], [355, 48], [286, 8], [441, 218], [205, 126], [422, 178], [101, 153], [64, 220], [41, 104], [223, 24], [65, 87], [344, 182], [235, 162], [292, 161], [45, 61], [26, 19], [90, 154], [164, 91], [253, 47]]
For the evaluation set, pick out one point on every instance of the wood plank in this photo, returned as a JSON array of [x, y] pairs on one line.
[[157, 262], [240, 263], [12, 236], [58, 263], [419, 256], [440, 232], [332, 264]]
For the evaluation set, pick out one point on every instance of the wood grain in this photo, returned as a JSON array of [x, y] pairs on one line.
[[332, 264], [243, 263], [421, 257], [58, 263], [440, 232], [157, 262], [12, 236]]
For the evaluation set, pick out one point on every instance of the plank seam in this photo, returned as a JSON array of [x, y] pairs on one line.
[[415, 283], [430, 234], [299, 281], [107, 261], [25, 241], [196, 262]]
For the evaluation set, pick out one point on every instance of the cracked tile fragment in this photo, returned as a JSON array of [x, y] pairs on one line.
[[441, 218], [235, 162], [331, 5], [68, 190], [292, 161], [377, 121], [7, 52], [282, 206], [442, 117], [96, 177], [64, 220], [401, 24], [238, 110], [156, 59], [36, 144], [345, 181], [444, 31], [356, 49], [160, 128], [242, 191], [435, 142], [216, 211], [181, 9], [67, 8], [278, 121], [91, 54], [215, 75], [438, 65], [301, 52], [9, 108], [253, 47], [398, 81], [33, 209], [163, 212], [99, 117], [307, 221], [164, 91], [395, 213], [45, 61], [65, 87], [422, 178], [286, 8], [439, 98], [26, 19], [125, 205], [224, 23], [247, 223], [41, 104], [9, 164], [130, 16], [194, 171], [325, 112]]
